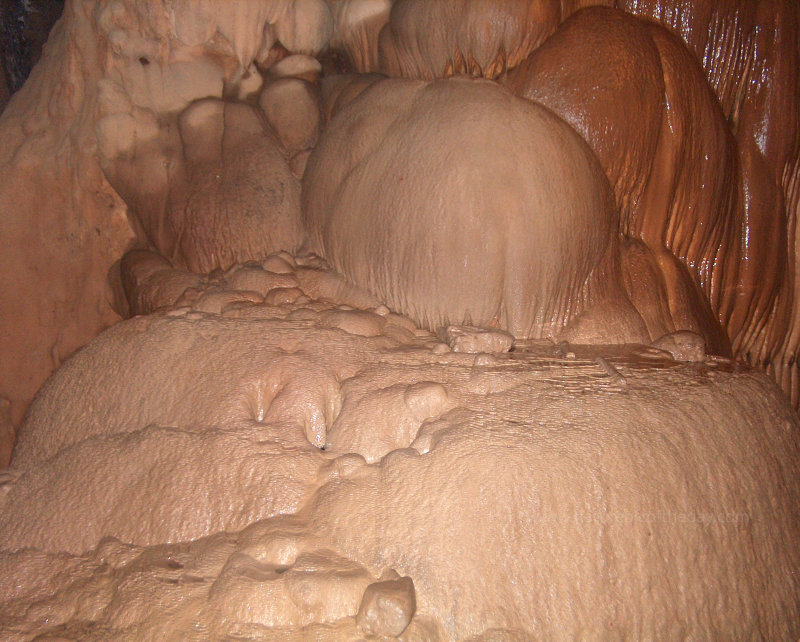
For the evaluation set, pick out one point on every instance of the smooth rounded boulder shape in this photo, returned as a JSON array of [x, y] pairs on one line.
[[296, 66], [337, 91], [742, 261], [636, 95], [456, 202]]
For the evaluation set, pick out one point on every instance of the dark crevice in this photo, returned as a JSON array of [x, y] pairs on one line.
[[24, 28]]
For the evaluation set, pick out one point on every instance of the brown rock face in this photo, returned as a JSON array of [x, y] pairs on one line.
[[757, 86], [642, 103], [467, 232], [62, 225]]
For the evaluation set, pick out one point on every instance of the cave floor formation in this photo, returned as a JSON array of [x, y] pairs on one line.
[[293, 461]]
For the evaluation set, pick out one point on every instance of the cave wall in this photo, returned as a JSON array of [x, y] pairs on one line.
[[62, 225]]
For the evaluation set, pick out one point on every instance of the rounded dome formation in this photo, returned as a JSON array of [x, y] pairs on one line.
[[456, 202]]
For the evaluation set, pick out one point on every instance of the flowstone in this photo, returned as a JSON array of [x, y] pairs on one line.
[[274, 470]]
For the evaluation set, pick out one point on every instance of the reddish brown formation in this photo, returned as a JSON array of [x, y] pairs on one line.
[[750, 55], [643, 105]]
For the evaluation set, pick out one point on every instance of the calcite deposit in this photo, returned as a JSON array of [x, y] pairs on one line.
[[316, 469], [398, 319]]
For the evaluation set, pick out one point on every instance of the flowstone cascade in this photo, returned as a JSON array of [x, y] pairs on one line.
[[430, 321], [332, 470]]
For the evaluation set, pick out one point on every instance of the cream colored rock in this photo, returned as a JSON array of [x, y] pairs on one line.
[[387, 607], [484, 510], [328, 285], [362, 323], [292, 108], [509, 226], [474, 340], [252, 474], [279, 263], [219, 301], [297, 66], [305, 27], [340, 461], [254, 278], [316, 587], [395, 415], [251, 396]]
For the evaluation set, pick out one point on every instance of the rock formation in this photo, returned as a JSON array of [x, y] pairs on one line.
[[468, 180], [402, 319], [309, 454]]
